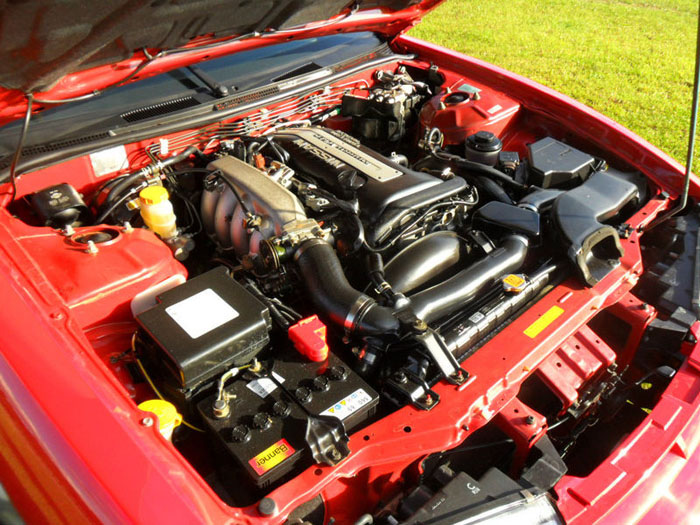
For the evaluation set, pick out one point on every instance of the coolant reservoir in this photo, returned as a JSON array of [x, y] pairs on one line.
[[157, 211]]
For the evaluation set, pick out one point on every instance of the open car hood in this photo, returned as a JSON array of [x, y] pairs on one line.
[[67, 49]]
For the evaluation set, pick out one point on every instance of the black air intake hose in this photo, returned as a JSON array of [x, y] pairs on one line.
[[579, 213], [333, 295], [426, 261], [447, 297], [491, 187]]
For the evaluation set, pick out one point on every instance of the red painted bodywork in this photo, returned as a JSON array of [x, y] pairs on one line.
[[576, 361], [72, 448]]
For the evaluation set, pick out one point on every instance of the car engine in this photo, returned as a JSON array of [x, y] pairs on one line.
[[345, 251]]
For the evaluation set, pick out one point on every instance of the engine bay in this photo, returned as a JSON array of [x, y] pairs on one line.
[[307, 282]]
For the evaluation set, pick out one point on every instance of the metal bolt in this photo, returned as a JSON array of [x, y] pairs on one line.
[[530, 420], [147, 421], [334, 453], [429, 400], [68, 230], [267, 507], [128, 228], [220, 409], [91, 248], [400, 377], [420, 325]]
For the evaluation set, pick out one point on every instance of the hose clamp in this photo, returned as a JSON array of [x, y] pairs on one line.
[[356, 312], [308, 243], [529, 206]]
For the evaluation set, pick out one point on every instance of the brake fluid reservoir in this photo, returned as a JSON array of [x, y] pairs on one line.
[[157, 211]]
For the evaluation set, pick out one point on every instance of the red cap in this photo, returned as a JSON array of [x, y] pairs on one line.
[[309, 338]]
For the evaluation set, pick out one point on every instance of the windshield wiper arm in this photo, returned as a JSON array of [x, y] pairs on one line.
[[216, 87]]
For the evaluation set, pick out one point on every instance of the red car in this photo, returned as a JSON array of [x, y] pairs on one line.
[[278, 262]]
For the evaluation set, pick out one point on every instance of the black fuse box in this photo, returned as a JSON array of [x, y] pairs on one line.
[[201, 329], [554, 164], [264, 432]]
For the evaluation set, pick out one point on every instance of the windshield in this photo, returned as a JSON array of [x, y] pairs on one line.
[[182, 89]]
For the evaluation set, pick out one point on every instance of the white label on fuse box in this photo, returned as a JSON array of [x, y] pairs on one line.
[[201, 313], [348, 405]]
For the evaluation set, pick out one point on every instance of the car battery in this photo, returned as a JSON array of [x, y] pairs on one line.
[[264, 430]]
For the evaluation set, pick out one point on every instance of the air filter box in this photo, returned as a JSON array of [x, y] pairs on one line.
[[200, 329]]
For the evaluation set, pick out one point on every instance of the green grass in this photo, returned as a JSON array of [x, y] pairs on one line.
[[632, 60]]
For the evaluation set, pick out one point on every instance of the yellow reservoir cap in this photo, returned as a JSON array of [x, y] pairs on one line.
[[153, 195], [514, 283], [168, 416]]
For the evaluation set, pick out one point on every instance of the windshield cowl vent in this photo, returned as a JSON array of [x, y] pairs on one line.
[[31, 151], [248, 98], [163, 108]]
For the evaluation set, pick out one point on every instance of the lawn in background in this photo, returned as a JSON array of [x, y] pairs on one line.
[[631, 60]]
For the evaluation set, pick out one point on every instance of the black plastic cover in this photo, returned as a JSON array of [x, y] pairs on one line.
[[499, 217], [203, 327], [58, 206], [463, 499], [593, 247], [555, 164], [484, 147], [671, 275]]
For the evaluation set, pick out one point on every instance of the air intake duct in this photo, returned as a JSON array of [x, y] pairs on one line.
[[579, 213]]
